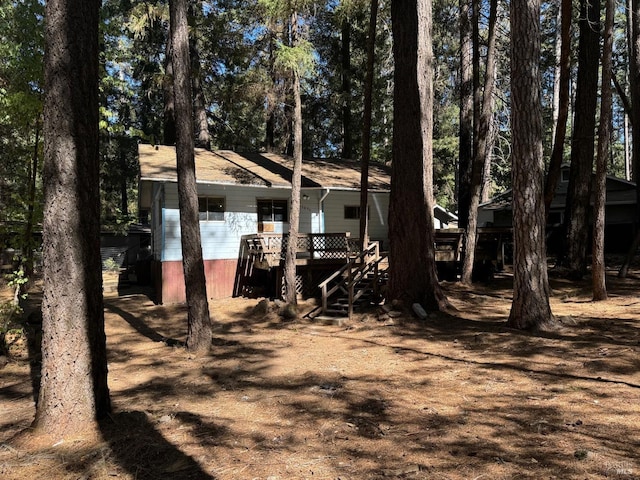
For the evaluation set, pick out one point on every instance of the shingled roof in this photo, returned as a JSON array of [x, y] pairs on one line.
[[158, 163]]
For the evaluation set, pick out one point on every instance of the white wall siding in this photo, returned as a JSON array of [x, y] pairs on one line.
[[221, 239], [334, 214], [156, 220]]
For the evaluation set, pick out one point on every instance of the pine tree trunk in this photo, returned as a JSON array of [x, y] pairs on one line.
[[73, 389], [412, 265], [202, 135], [560, 128], [598, 270], [296, 183], [29, 243], [347, 140], [169, 119], [634, 118], [270, 127], [482, 150], [466, 114], [198, 320], [583, 141], [476, 6], [366, 127], [530, 308], [124, 197]]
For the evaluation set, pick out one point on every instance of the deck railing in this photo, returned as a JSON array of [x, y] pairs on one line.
[[357, 277], [268, 249]]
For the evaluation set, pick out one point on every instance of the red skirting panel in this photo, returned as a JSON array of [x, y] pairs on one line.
[[169, 280]]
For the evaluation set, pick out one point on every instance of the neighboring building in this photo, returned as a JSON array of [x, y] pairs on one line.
[[242, 194], [443, 218], [620, 213]]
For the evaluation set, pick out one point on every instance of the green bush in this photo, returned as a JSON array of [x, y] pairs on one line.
[[9, 321], [110, 265]]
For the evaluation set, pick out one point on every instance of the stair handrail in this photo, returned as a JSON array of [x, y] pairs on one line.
[[368, 256], [361, 274]]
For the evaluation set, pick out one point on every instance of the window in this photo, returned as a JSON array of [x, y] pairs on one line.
[[211, 209], [352, 212], [273, 211]]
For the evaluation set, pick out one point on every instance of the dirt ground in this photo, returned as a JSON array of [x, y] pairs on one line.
[[457, 396]]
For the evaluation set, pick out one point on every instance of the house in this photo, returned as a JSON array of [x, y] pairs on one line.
[[620, 212], [245, 194], [443, 218]]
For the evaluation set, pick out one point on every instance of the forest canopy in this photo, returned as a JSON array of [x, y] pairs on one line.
[[241, 90]]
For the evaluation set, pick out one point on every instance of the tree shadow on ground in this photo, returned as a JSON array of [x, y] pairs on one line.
[[143, 452], [141, 326], [197, 419]]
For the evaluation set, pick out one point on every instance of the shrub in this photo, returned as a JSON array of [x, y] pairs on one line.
[[110, 265]]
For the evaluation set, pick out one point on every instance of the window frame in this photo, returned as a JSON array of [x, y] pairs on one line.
[[271, 202], [210, 213], [353, 208]]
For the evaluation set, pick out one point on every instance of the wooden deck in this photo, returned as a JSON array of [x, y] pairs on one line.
[[492, 244], [268, 249], [321, 256]]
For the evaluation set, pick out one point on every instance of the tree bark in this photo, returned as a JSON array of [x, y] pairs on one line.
[[202, 135], [466, 114], [476, 6], [560, 127], [73, 389], [199, 322], [413, 276], [530, 308], [296, 183], [366, 127], [481, 151], [634, 82], [124, 197], [270, 124], [169, 114], [29, 243], [583, 141], [634, 118], [598, 267], [347, 134]]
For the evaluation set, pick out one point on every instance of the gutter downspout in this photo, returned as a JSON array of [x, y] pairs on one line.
[[321, 210]]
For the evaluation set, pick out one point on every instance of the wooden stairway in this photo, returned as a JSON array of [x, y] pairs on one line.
[[357, 284]]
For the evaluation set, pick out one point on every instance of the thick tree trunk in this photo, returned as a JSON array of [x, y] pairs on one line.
[[530, 308], [199, 322], [563, 70], [482, 151], [412, 264], [466, 114], [598, 269], [73, 389], [366, 127], [583, 141]]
